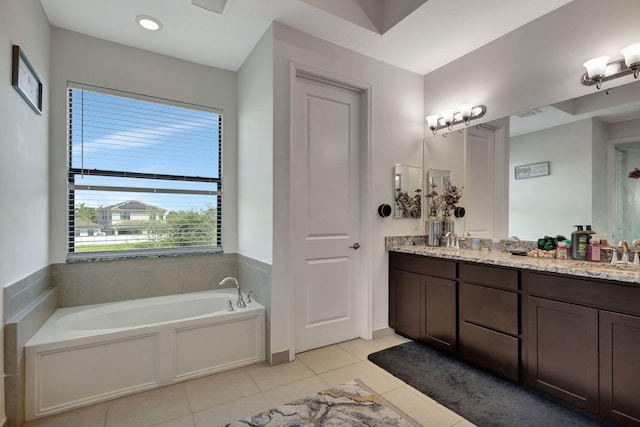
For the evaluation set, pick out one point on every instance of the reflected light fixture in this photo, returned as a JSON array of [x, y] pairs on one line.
[[601, 70], [450, 118], [149, 22]]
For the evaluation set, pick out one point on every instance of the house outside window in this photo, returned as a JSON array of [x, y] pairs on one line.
[[145, 175]]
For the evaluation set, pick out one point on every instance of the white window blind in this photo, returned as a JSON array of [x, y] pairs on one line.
[[144, 174]]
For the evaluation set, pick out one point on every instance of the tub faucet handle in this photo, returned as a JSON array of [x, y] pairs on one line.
[[248, 300], [230, 306]]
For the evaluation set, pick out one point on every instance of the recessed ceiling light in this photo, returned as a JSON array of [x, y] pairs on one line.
[[149, 22]]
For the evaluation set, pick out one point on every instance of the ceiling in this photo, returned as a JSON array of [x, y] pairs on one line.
[[433, 33], [620, 105]]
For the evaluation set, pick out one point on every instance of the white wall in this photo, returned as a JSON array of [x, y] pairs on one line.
[[552, 204], [83, 59], [24, 153], [396, 137], [255, 152]]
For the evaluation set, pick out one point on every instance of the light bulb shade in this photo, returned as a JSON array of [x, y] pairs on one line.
[[466, 110], [631, 55], [432, 121], [447, 116], [596, 67]]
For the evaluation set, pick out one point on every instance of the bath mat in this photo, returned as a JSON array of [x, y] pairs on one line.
[[478, 396], [349, 404]]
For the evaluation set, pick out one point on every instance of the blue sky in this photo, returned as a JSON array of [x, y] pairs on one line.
[[130, 135]]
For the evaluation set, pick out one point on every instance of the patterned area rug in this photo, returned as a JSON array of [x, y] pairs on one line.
[[349, 404]]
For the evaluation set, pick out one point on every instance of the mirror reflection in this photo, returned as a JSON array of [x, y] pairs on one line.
[[437, 181], [407, 186], [591, 144]]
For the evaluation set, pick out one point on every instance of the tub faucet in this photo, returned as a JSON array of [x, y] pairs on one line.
[[240, 303]]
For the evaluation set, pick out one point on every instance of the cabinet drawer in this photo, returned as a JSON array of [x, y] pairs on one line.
[[423, 265], [492, 276], [608, 295], [491, 350], [492, 308]]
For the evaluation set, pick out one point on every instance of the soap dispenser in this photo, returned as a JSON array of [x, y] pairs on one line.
[[579, 243]]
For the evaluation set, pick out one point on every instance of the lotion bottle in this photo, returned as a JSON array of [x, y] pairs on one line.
[[594, 252]]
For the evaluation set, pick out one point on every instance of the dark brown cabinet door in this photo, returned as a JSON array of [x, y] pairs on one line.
[[620, 368], [563, 351], [405, 302], [440, 316]]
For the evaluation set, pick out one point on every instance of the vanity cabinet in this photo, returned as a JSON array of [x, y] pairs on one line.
[[489, 318], [620, 367], [423, 299], [405, 290], [563, 351], [572, 338], [583, 344]]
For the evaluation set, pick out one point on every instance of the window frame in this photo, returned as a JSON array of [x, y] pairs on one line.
[[73, 256]]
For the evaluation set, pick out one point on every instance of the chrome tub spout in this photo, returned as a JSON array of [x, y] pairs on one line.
[[240, 303]]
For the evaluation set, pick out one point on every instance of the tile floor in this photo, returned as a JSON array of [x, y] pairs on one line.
[[218, 399]]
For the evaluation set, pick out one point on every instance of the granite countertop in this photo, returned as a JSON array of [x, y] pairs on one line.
[[627, 273]]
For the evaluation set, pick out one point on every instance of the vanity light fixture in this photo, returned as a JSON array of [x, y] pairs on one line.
[[450, 118], [149, 22], [601, 70]]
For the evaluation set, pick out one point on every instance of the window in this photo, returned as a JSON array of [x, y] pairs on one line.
[[144, 174]]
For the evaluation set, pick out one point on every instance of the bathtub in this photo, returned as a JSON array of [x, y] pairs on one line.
[[89, 354]]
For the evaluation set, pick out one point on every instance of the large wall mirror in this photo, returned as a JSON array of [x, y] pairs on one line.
[[407, 191], [570, 164]]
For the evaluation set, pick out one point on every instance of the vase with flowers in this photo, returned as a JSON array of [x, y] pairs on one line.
[[408, 206], [440, 207]]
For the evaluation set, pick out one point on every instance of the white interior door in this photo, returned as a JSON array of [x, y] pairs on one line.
[[480, 189], [326, 214]]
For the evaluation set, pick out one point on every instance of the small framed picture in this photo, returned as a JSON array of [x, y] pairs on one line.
[[26, 81], [532, 170]]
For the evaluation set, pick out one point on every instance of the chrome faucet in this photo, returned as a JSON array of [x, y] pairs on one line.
[[240, 303], [622, 244]]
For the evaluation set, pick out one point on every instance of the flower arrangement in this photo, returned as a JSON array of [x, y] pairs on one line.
[[441, 205], [635, 174], [409, 206]]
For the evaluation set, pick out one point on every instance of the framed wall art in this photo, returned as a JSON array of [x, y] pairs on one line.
[[26, 81], [532, 170]]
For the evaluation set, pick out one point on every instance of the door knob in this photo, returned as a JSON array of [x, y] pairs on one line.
[[356, 245]]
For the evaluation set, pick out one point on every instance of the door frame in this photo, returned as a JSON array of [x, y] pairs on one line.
[[611, 179], [365, 287]]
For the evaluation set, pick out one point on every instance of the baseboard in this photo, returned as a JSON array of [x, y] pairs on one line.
[[280, 358], [382, 333]]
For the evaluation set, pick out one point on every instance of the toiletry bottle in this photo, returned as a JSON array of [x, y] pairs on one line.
[[603, 240], [561, 250], [593, 250], [580, 242], [589, 230]]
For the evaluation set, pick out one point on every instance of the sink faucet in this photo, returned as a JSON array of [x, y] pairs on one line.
[[625, 250], [240, 303]]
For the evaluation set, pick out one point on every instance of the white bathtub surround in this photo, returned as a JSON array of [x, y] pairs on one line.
[[114, 349]]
